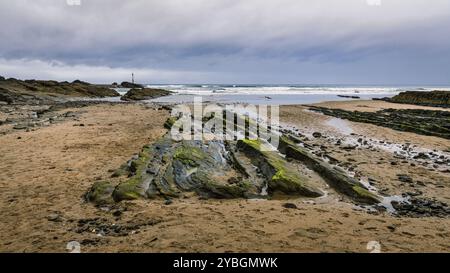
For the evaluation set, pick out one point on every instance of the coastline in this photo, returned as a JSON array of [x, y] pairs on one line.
[[46, 171]]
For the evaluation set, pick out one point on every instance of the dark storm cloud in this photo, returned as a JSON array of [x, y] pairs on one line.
[[227, 40]]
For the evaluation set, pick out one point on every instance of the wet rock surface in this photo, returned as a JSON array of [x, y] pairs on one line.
[[424, 122], [421, 207], [226, 169]]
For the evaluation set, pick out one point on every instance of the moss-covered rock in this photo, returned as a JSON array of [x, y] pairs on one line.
[[281, 176], [100, 193], [219, 189], [170, 122], [200, 169], [129, 190], [190, 155], [123, 170], [136, 186]]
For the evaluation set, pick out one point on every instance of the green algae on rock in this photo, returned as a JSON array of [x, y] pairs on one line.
[[100, 193], [335, 176], [281, 176]]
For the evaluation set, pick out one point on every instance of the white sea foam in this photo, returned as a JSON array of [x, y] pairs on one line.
[[286, 89]]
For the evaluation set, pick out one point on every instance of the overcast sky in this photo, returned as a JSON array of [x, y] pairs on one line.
[[228, 41]]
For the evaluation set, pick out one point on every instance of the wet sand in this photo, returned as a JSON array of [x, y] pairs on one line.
[[44, 174]]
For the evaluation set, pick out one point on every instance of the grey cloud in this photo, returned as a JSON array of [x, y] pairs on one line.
[[223, 35]]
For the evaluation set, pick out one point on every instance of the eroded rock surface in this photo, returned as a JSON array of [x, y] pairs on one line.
[[247, 168]]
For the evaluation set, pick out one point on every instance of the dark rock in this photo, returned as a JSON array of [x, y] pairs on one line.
[[80, 82], [348, 147], [103, 227], [404, 178], [317, 134], [131, 85], [349, 97], [421, 156], [392, 228], [144, 94], [7, 96], [290, 205], [117, 213], [420, 207], [431, 98]]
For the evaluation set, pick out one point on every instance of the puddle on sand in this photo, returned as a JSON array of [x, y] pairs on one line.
[[386, 202]]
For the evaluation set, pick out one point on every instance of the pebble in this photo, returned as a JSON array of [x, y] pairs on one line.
[[290, 206]]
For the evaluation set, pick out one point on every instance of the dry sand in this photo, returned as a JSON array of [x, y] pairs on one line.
[[47, 171]]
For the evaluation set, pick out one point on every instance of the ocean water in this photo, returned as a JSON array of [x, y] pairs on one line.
[[278, 94]]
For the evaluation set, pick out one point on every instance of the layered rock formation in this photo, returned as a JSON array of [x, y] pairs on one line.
[[247, 168], [432, 98], [32, 91]]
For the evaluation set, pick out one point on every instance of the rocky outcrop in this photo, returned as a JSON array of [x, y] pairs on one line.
[[131, 85], [144, 94], [6, 96], [424, 122], [224, 169], [18, 91], [168, 169], [432, 98]]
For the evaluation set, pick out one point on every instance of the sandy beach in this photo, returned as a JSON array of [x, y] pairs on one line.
[[46, 171]]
